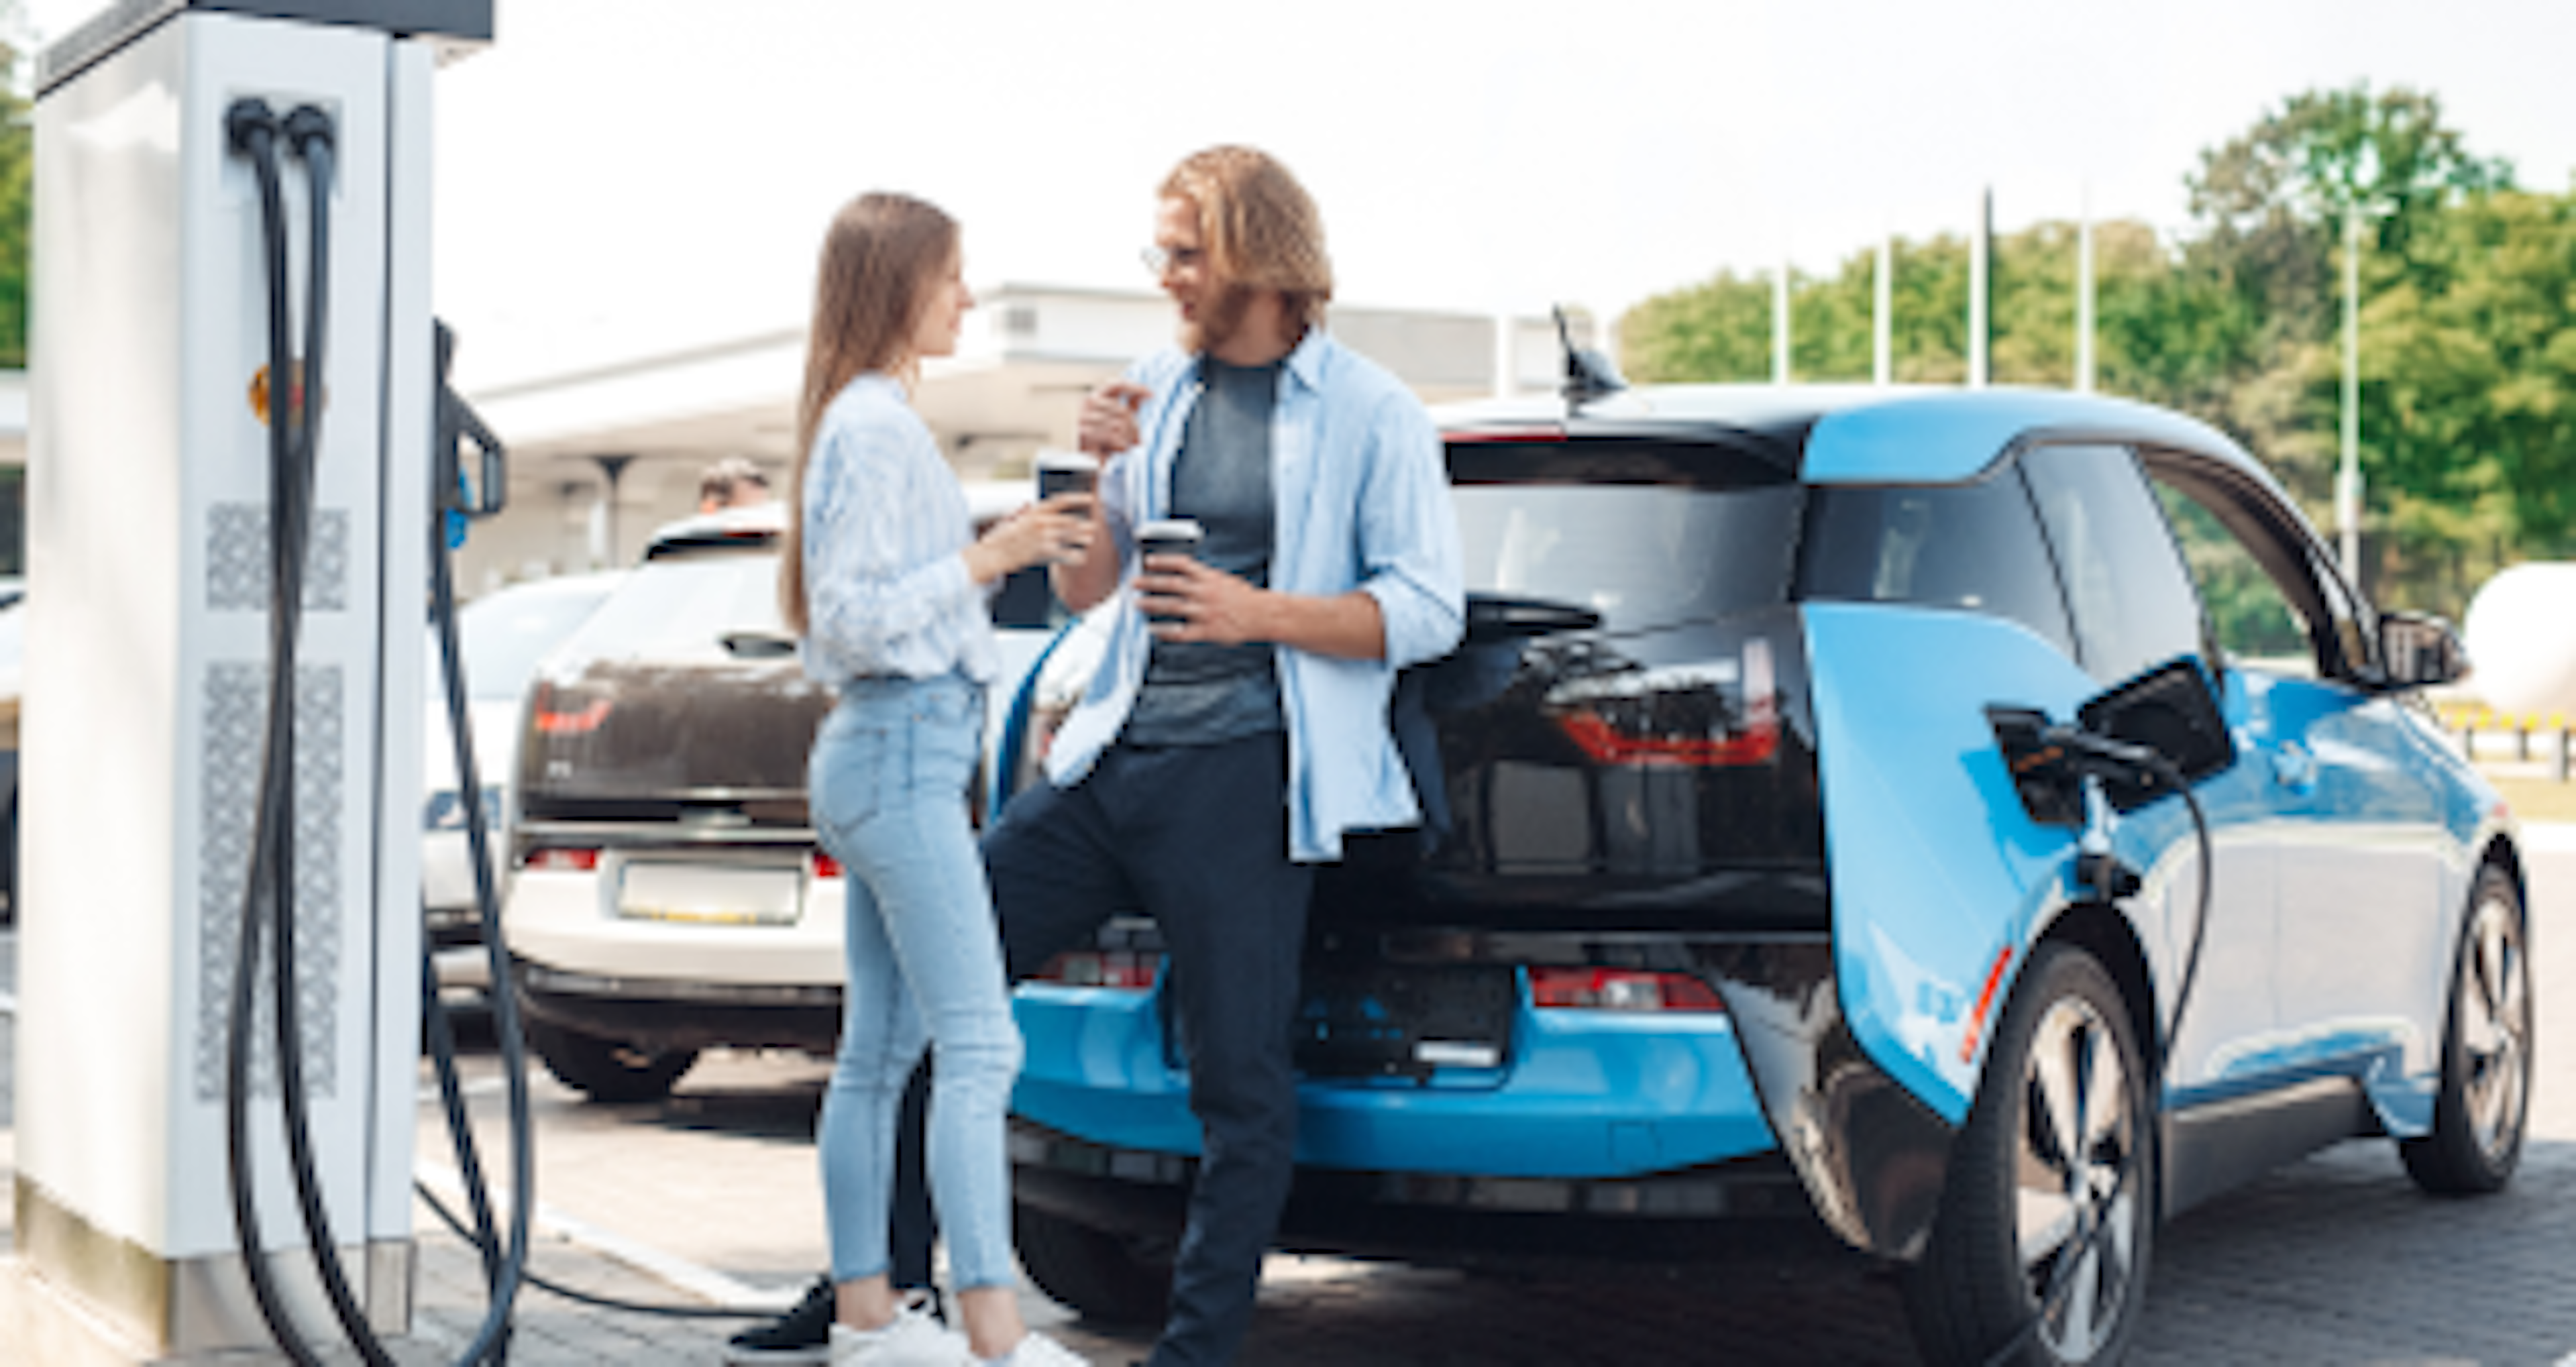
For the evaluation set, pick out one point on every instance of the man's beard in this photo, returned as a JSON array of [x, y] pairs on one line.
[[1219, 322]]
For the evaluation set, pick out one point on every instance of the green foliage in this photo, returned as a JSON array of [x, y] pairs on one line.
[[2468, 361], [17, 190]]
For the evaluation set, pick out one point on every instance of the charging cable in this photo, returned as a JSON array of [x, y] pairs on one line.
[[2048, 755]]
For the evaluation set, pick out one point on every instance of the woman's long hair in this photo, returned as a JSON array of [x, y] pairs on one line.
[[883, 258]]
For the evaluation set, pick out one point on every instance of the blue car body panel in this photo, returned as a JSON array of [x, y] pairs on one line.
[[1946, 436], [1936, 869], [1585, 1094]]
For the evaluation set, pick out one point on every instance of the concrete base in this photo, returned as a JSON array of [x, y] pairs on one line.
[[50, 1327], [119, 1302]]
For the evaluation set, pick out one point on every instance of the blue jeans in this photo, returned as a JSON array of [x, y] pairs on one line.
[[887, 781]]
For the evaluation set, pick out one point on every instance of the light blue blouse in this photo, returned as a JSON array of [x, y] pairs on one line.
[[886, 591]]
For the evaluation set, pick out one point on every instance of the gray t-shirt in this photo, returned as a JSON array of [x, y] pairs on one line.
[[1196, 692]]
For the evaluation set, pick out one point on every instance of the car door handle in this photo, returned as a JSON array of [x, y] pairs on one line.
[[2294, 768]]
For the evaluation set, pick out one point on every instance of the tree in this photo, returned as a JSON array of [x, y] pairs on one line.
[[17, 148]]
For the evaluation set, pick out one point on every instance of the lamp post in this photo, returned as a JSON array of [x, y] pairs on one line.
[[2348, 475]]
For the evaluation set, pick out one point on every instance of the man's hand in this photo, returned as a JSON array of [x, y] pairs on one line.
[[1204, 604], [1200, 604], [1108, 424]]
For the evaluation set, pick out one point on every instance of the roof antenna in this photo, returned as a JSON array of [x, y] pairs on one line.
[[1589, 375]]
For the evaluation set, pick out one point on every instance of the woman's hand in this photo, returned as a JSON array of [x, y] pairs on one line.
[[1058, 531]]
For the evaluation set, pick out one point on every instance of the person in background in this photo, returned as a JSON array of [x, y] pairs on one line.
[[884, 581], [733, 482]]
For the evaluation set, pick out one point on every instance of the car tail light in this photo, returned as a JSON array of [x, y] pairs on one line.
[[562, 859], [825, 866], [557, 723], [1605, 733], [1618, 989], [1119, 968]]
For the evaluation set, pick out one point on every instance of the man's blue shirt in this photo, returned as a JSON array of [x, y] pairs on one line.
[[1363, 503]]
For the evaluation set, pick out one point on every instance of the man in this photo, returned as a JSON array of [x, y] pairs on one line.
[[733, 482], [1226, 745], [1224, 749]]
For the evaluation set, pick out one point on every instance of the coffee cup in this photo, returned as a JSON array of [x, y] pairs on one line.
[[1066, 472], [1169, 536]]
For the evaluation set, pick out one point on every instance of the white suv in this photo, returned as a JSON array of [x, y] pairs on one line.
[[669, 896]]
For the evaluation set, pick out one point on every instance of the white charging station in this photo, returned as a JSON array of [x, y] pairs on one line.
[[148, 576]]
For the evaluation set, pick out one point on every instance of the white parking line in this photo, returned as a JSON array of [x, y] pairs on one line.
[[703, 1282], [471, 1087]]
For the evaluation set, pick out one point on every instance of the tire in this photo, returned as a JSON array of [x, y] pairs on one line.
[[2018, 1192], [606, 1070], [1111, 1278], [9, 863], [2483, 1105]]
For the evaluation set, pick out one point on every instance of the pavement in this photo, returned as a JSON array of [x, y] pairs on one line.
[[2334, 1260]]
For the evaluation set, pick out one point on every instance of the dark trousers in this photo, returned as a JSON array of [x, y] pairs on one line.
[[1196, 836]]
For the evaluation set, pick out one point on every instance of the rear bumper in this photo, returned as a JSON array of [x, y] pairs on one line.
[[658, 1014], [1585, 1095], [1589, 1108], [1750, 1208]]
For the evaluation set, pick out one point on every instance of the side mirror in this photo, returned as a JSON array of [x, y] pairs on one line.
[[2418, 651]]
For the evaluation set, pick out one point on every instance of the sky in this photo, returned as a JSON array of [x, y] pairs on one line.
[[617, 179]]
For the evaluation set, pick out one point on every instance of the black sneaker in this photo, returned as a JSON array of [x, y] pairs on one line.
[[803, 1334]]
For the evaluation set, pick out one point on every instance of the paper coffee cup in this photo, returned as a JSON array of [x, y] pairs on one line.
[[1066, 472], [1169, 536]]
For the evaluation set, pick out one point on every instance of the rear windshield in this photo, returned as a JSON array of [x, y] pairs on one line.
[[504, 637], [1646, 536], [678, 610]]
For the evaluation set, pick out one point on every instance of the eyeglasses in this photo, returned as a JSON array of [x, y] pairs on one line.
[[1159, 260]]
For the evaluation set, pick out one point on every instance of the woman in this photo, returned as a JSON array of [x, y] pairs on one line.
[[886, 583]]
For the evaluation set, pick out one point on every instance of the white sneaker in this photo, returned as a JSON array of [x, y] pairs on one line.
[[1037, 1350], [911, 1339]]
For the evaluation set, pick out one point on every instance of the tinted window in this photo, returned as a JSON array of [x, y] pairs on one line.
[[1640, 555], [2125, 585], [1971, 547]]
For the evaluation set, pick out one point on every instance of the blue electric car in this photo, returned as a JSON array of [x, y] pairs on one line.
[[1967, 826]]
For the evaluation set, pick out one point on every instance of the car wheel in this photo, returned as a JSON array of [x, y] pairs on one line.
[[2485, 1099], [9, 864], [1112, 1278], [603, 1069], [2048, 1214]]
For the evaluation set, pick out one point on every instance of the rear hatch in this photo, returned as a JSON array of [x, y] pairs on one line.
[[1619, 755], [677, 714]]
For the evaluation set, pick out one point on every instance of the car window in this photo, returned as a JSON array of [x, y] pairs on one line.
[[505, 635], [2131, 600], [1970, 547], [2251, 620], [1645, 533], [679, 609], [1640, 555]]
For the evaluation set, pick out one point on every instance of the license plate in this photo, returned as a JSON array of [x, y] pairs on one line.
[[1403, 1020], [703, 894]]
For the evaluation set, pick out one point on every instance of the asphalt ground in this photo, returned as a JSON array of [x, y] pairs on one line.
[[710, 1198]]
